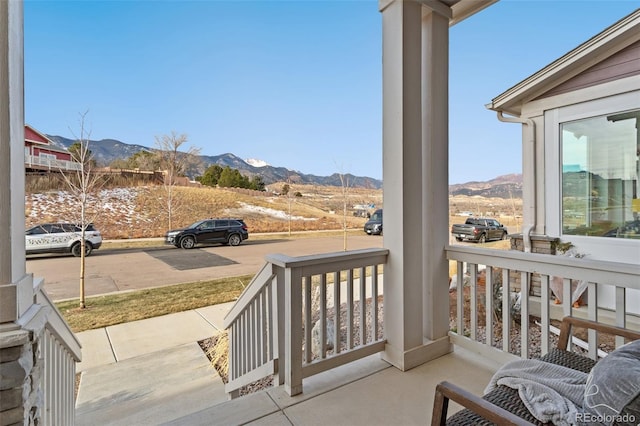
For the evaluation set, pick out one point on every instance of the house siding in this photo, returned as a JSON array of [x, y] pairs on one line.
[[59, 155], [32, 136], [625, 63]]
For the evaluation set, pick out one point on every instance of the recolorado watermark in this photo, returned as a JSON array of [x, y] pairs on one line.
[[588, 418]]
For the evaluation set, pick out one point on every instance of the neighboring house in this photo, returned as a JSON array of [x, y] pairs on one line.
[[40, 154], [581, 146]]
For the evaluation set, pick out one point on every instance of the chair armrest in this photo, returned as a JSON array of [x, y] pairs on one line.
[[569, 322], [446, 391]]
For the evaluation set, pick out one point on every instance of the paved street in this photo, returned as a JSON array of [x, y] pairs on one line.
[[109, 270]]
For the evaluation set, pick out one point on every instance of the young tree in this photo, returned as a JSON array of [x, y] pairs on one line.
[[286, 191], [82, 183], [175, 163], [346, 182]]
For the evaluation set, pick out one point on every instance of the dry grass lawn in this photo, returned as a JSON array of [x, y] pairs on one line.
[[139, 212]]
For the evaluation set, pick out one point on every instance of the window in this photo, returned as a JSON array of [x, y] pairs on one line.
[[600, 169]]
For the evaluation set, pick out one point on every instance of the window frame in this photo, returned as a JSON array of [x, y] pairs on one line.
[[553, 119]]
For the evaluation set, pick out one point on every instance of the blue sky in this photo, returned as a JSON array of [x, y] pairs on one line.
[[294, 83]]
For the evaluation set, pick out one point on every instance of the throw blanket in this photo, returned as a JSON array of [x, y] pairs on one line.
[[551, 393]]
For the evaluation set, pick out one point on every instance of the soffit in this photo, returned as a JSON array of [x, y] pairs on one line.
[[459, 9]]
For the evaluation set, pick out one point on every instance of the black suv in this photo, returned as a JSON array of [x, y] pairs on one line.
[[226, 231], [374, 224]]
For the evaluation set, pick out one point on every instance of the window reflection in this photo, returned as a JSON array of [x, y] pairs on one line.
[[600, 169]]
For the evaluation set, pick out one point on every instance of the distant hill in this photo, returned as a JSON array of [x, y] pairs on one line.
[[506, 186], [106, 151]]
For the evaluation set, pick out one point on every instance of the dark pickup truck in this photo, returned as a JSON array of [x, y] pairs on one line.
[[480, 230]]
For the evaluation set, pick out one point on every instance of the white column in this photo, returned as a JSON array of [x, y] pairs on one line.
[[435, 174], [16, 288], [415, 173]]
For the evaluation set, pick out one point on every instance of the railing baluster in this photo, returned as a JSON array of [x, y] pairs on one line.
[[350, 309], [545, 318], [524, 314], [336, 309], [488, 297], [252, 335], [592, 314], [271, 325], [374, 302], [566, 305], [234, 334], [258, 330], [323, 316], [262, 328], [506, 310], [308, 322], [621, 318], [473, 298], [243, 343], [363, 306], [460, 297]]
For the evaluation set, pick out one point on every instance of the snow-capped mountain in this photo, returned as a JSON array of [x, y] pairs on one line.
[[256, 163]]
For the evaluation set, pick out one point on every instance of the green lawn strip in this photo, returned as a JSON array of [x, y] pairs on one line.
[[103, 311]]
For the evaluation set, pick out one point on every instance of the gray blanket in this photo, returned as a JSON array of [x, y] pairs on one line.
[[551, 393]]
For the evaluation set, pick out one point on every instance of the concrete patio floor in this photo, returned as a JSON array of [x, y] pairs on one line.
[[153, 372], [366, 392]]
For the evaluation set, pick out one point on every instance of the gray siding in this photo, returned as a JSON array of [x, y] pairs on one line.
[[625, 63]]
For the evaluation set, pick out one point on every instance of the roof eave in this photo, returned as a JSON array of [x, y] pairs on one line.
[[466, 8]]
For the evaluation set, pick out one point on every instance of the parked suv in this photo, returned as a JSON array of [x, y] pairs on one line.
[[226, 231], [374, 225], [61, 238]]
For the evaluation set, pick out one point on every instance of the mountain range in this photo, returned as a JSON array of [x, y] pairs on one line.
[[105, 151]]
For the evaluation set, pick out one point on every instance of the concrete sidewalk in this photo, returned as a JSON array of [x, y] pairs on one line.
[[149, 371]]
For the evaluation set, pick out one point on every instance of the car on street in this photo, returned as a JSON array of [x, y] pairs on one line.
[[374, 225], [479, 230], [209, 231], [61, 238]]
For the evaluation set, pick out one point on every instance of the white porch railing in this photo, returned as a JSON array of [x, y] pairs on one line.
[[60, 350], [300, 316], [51, 163], [502, 270]]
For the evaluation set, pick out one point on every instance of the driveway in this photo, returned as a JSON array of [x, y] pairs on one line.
[[110, 270]]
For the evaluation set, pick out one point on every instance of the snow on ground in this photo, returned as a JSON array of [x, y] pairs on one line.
[[118, 202], [279, 214]]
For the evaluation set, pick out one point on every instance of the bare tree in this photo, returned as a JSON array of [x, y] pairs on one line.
[[345, 183], [82, 183], [175, 164]]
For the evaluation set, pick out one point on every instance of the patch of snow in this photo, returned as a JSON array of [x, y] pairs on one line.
[[271, 212], [256, 163], [119, 202]]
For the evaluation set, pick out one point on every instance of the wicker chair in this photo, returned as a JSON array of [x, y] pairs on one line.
[[503, 405]]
